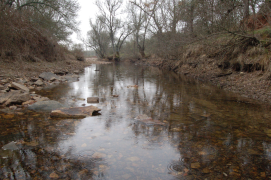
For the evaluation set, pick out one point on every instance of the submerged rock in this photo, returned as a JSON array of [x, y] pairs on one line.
[[92, 100], [10, 146], [46, 106], [148, 120], [74, 112], [70, 78]]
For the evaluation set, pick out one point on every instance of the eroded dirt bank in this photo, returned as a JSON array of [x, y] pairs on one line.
[[253, 85]]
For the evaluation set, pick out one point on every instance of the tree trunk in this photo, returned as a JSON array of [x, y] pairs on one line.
[[246, 9]]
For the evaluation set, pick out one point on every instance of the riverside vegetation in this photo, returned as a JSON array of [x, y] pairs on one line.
[[223, 42]]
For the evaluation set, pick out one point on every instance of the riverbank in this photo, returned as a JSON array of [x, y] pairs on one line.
[[19, 79], [253, 85]]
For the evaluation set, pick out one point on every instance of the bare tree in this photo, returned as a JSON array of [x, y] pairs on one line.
[[117, 28], [98, 38], [140, 23]]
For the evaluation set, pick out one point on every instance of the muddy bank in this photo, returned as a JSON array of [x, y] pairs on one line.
[[253, 85]]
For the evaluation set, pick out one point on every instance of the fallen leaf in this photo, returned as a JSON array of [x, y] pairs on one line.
[[54, 175]]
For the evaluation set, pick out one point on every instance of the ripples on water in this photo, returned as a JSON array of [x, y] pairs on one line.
[[209, 134]]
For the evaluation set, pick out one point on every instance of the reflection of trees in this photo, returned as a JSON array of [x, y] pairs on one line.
[[40, 163], [38, 156], [205, 125]]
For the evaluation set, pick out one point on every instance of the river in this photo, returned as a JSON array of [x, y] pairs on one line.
[[207, 133]]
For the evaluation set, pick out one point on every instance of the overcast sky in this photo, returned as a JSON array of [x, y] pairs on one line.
[[88, 10]]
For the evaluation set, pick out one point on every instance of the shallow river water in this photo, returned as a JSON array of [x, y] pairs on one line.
[[208, 133]]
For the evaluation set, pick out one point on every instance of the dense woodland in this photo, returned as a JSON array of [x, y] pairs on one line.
[[33, 30], [176, 29]]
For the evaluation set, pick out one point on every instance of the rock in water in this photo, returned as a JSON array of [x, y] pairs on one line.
[[19, 86], [93, 100], [143, 118], [45, 106], [74, 112], [10, 146]]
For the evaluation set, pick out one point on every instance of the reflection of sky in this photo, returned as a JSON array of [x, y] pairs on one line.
[[203, 128], [112, 134]]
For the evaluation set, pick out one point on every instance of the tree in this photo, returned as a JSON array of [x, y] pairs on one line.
[[57, 17], [98, 38], [117, 28], [140, 24]]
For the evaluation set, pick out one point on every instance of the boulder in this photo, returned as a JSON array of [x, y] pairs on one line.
[[48, 76], [74, 112], [14, 97], [45, 106], [92, 100], [19, 86]]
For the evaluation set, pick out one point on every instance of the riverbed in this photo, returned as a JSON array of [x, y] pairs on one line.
[[205, 132]]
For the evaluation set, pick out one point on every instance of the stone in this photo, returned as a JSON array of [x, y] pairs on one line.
[[48, 76], [4, 81], [19, 86], [92, 100], [10, 146], [205, 171], [53, 79], [34, 79], [70, 78], [14, 97], [143, 118], [76, 72], [40, 98], [29, 102], [61, 73], [21, 81], [13, 107], [74, 112], [38, 82], [45, 106], [98, 155], [195, 165], [2, 87], [54, 175]]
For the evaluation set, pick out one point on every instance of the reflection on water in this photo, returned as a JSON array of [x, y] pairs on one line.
[[209, 134]]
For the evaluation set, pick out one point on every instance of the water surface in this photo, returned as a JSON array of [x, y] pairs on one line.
[[209, 134]]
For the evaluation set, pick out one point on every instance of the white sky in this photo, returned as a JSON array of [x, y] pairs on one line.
[[88, 10]]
